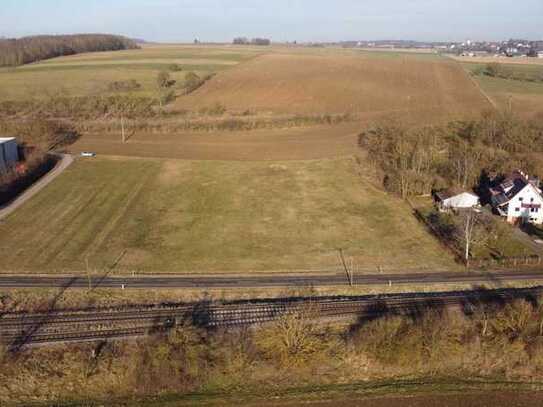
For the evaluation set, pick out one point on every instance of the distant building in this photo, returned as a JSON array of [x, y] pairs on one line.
[[518, 198], [540, 54], [455, 199], [9, 153]]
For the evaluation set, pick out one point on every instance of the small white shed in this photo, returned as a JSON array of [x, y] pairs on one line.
[[456, 199], [9, 153]]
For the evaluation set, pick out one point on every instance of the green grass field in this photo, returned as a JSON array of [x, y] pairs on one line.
[[525, 98], [209, 216], [90, 74]]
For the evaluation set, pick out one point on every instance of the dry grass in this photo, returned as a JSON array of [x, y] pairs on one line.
[[524, 98], [499, 344], [36, 299], [90, 74], [197, 216], [337, 83]]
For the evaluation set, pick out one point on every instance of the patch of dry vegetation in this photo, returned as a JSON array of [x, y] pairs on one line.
[[490, 341]]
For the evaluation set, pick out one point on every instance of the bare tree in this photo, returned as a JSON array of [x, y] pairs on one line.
[[472, 232]]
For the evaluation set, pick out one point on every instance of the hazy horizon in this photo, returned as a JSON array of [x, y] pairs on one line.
[[300, 20]]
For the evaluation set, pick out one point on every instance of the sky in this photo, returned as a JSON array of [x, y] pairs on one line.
[[280, 20]]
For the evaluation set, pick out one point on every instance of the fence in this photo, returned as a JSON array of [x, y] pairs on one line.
[[506, 262]]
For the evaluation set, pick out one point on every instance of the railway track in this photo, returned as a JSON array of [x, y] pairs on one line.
[[20, 329]]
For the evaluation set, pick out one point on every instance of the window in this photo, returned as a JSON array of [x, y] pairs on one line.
[[531, 199], [521, 199], [517, 209], [532, 210]]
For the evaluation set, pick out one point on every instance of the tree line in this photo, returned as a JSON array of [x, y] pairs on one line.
[[254, 41], [15, 52], [417, 161]]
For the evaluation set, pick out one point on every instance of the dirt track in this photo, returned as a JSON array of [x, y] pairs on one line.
[[262, 145], [472, 399]]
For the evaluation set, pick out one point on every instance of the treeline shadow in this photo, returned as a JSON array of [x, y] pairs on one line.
[[14, 184]]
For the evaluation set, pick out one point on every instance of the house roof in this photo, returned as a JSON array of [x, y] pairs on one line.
[[511, 186], [449, 193]]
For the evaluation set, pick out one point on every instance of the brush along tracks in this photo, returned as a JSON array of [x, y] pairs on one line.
[[21, 329]]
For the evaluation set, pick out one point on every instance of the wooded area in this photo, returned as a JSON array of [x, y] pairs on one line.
[[418, 161], [15, 52]]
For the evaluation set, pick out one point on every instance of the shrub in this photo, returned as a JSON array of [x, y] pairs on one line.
[[164, 80], [293, 340], [175, 361], [166, 97]]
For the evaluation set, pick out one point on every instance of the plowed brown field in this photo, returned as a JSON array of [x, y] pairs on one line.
[[309, 84]]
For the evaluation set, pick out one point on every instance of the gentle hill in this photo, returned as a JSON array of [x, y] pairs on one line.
[[311, 84]]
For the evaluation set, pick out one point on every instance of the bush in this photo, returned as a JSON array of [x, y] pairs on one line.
[[176, 361], [293, 340], [164, 80], [166, 97]]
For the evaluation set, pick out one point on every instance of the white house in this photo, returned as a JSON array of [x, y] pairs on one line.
[[456, 199], [9, 154], [519, 199]]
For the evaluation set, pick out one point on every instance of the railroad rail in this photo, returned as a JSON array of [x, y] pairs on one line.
[[19, 329]]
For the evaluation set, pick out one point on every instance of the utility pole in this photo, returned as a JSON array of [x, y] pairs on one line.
[[122, 130], [349, 273], [88, 272]]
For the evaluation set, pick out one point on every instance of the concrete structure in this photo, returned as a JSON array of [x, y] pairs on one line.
[[454, 199], [519, 199], [9, 153]]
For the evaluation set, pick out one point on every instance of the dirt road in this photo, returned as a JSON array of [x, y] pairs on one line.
[[259, 145]]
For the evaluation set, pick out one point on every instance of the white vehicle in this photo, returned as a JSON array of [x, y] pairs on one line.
[[88, 154]]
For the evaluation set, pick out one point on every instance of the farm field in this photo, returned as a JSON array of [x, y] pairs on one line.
[[275, 144], [278, 198], [427, 87], [525, 98], [212, 216], [90, 74]]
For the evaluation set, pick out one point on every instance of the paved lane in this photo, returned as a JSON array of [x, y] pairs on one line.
[[278, 280]]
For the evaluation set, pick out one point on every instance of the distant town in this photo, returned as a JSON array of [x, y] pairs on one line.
[[509, 48]]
